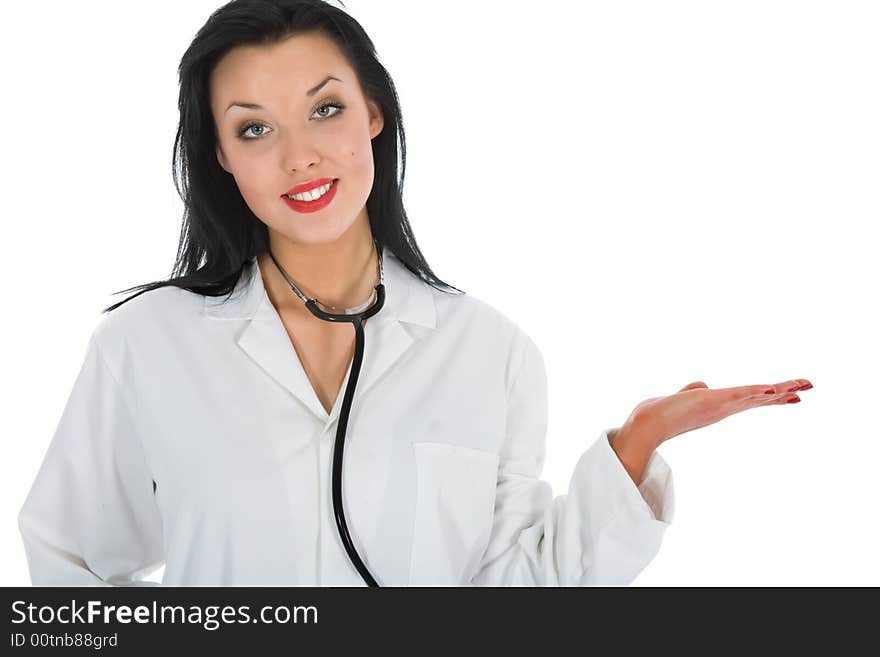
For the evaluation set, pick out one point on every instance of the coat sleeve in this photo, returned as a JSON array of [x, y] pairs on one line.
[[90, 518], [603, 532]]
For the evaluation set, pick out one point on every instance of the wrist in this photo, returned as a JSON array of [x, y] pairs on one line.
[[639, 434], [633, 448]]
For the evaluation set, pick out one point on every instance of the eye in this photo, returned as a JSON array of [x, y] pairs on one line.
[[246, 127], [338, 106], [252, 124]]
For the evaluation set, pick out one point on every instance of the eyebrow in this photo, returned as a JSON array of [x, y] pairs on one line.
[[310, 92]]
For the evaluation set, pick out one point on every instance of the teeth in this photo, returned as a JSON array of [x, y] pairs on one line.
[[312, 194]]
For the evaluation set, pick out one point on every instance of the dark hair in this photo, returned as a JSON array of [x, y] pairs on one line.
[[219, 233]]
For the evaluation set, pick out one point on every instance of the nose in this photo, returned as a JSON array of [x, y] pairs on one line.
[[299, 153]]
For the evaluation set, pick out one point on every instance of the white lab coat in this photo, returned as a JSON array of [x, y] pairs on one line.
[[443, 454]]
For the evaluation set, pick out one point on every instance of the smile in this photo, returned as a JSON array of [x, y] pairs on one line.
[[313, 200]]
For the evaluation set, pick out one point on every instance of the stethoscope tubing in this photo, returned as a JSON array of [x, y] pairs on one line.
[[356, 319], [339, 446]]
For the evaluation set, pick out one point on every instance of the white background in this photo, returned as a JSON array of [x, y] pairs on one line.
[[657, 192]]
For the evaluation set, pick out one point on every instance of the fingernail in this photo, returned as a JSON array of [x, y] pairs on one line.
[[769, 392], [806, 387], [793, 389], [793, 401]]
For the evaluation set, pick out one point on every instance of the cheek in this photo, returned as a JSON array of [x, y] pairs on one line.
[[356, 149], [257, 195], [251, 180], [250, 190], [360, 159]]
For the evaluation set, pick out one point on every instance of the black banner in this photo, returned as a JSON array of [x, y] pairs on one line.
[[135, 620]]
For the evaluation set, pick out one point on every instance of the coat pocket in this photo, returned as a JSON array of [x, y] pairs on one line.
[[455, 502]]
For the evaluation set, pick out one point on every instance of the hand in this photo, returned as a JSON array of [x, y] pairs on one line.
[[660, 418]]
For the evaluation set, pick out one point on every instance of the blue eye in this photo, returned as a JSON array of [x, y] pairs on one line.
[[247, 127], [253, 124], [338, 106]]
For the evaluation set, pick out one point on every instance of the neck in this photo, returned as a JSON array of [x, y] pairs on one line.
[[341, 273]]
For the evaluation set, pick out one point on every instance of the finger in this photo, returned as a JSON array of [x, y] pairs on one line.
[[775, 400], [694, 385], [792, 385], [756, 392], [745, 397], [766, 400]]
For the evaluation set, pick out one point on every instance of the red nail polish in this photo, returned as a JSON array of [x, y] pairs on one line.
[[769, 392], [793, 401]]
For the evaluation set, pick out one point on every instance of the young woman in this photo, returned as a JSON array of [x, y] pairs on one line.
[[206, 426]]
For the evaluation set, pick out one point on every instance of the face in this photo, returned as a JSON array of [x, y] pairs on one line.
[[298, 135]]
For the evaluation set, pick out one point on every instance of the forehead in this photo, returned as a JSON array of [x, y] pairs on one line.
[[254, 72]]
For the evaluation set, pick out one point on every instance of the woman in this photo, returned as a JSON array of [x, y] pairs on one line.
[[200, 432]]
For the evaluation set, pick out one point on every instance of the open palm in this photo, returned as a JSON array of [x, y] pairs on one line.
[[696, 405]]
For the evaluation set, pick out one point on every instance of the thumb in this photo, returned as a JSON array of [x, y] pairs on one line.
[[694, 385]]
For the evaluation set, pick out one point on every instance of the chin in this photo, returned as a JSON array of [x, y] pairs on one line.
[[317, 235]]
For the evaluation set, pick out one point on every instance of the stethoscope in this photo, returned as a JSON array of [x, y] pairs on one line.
[[356, 316]]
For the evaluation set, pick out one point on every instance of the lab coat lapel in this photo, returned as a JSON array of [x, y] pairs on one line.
[[409, 304]]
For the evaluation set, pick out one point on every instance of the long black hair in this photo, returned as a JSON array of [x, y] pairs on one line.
[[220, 234]]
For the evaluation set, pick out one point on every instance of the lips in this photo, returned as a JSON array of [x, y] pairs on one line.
[[313, 206], [306, 186]]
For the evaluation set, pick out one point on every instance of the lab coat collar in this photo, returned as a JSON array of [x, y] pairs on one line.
[[408, 300]]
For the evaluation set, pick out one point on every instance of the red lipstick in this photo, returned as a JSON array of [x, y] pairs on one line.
[[317, 204], [306, 186]]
